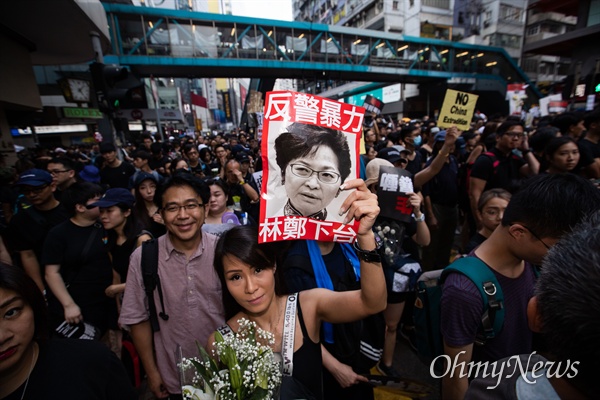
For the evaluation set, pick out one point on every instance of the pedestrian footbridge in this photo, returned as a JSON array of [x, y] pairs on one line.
[[162, 42]]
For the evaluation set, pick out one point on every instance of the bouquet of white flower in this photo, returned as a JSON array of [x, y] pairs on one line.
[[246, 368]]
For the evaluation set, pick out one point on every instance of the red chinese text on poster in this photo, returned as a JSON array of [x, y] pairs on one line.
[[309, 148]]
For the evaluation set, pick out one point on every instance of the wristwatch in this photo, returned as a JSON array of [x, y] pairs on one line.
[[419, 219], [371, 256], [242, 182]]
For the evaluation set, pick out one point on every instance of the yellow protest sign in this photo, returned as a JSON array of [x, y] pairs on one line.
[[458, 109]]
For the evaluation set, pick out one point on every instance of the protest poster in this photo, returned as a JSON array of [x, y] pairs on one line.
[[394, 184], [457, 109], [309, 148], [373, 105]]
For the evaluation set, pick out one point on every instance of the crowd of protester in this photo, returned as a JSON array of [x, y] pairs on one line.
[[74, 220]]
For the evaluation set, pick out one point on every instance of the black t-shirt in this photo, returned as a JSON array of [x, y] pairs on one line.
[[499, 171], [117, 177], [120, 257], [76, 369], [156, 163], [28, 228], [414, 165], [443, 188], [87, 275]]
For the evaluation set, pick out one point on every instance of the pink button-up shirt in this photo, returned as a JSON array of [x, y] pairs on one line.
[[192, 297]]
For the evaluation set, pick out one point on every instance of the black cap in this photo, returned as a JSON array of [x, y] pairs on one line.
[[115, 196]]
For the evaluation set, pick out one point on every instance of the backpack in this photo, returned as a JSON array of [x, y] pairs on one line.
[[152, 281], [427, 311]]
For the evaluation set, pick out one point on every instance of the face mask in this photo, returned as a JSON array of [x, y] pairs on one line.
[[417, 140]]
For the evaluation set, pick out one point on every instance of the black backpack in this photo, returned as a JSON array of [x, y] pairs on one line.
[[152, 281]]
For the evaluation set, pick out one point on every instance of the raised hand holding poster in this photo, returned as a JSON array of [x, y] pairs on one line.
[[309, 148], [457, 109]]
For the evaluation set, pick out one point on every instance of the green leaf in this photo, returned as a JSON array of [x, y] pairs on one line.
[[258, 394]]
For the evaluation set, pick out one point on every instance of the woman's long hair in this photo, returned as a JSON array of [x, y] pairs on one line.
[[131, 230], [241, 242], [15, 279]]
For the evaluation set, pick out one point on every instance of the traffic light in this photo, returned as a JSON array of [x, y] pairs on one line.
[[113, 85]]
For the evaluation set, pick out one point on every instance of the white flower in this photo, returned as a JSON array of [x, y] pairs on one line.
[[192, 393], [246, 365]]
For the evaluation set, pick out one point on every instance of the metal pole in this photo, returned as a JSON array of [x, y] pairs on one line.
[[97, 46], [105, 126]]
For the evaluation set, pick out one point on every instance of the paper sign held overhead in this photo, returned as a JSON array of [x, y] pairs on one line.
[[457, 109], [309, 149]]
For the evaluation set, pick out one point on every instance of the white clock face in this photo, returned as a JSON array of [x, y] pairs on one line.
[[80, 89]]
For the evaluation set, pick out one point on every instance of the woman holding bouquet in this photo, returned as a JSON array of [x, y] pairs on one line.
[[251, 291]]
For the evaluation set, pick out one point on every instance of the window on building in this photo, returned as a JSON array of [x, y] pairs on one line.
[[411, 3], [394, 5], [510, 13], [445, 4], [503, 40], [554, 28], [533, 30], [530, 65]]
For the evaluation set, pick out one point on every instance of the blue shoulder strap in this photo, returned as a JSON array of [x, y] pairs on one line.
[[489, 288]]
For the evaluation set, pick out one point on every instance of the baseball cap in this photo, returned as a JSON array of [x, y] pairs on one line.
[[440, 136], [237, 149], [142, 176], [90, 173], [34, 177], [400, 148], [242, 158], [391, 154], [115, 196], [372, 170]]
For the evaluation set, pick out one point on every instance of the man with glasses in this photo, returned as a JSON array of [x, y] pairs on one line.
[[63, 174], [548, 207], [190, 288], [193, 157], [28, 228], [500, 167]]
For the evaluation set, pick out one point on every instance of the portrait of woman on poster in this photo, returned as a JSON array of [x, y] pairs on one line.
[[314, 162]]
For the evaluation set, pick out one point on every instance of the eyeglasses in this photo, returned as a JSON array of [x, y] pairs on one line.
[[190, 207], [58, 171], [514, 135], [303, 171], [33, 190], [535, 235]]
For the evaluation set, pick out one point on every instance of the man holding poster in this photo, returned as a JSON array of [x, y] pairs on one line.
[[310, 145]]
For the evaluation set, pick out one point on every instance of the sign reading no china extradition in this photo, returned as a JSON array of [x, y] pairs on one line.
[[458, 109]]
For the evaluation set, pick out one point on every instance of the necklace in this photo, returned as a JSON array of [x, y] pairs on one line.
[[275, 330], [30, 371]]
